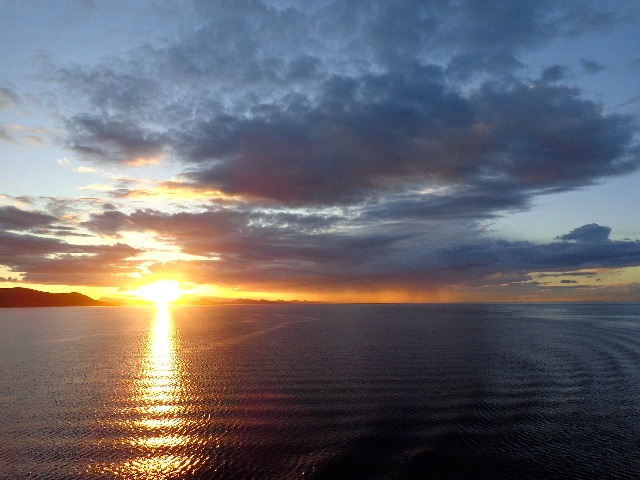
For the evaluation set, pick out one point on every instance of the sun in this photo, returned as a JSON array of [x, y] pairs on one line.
[[161, 292]]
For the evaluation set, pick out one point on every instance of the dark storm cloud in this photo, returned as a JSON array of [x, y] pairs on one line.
[[273, 239], [341, 102], [584, 247], [117, 124], [113, 138], [261, 248], [12, 218], [395, 32], [109, 90], [252, 234], [380, 132], [52, 261], [15, 246], [476, 202], [100, 266], [38, 222], [588, 233], [369, 262], [336, 102], [43, 259]]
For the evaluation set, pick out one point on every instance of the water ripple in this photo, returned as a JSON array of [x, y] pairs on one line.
[[325, 392]]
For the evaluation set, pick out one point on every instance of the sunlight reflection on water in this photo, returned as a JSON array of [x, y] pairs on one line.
[[160, 388], [155, 417], [315, 392]]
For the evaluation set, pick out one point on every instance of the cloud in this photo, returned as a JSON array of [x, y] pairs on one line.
[[380, 133], [477, 202], [32, 245], [12, 218], [568, 274], [8, 98], [555, 73], [350, 145], [586, 247], [114, 139], [590, 66], [592, 233], [333, 252], [5, 136], [52, 261], [631, 101], [84, 169], [99, 266], [336, 104], [35, 140]]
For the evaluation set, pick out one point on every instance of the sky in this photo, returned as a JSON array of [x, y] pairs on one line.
[[342, 151]]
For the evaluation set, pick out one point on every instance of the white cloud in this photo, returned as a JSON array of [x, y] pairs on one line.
[[83, 169]]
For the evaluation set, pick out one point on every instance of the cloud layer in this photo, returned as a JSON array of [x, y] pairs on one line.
[[339, 145], [252, 249], [335, 104]]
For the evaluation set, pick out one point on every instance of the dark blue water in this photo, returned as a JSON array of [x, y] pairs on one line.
[[321, 392]]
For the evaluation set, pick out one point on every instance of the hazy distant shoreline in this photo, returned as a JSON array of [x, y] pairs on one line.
[[19, 297]]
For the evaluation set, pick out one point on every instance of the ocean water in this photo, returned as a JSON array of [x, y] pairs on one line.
[[321, 392]]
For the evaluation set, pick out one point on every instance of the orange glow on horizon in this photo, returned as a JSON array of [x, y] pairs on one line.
[[161, 292]]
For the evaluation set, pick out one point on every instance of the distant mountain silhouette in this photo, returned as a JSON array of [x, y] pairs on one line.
[[200, 300], [25, 297]]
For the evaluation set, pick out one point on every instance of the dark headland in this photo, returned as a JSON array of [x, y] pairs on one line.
[[25, 297]]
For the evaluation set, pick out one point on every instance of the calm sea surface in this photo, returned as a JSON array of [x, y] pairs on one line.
[[321, 392]]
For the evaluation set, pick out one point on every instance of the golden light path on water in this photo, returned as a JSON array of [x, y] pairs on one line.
[[155, 420]]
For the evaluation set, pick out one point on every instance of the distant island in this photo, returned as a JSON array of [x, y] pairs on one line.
[[19, 297]]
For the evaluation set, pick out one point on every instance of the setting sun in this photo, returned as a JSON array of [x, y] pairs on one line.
[[160, 292]]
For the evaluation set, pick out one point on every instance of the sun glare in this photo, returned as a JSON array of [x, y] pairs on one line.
[[161, 292]]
